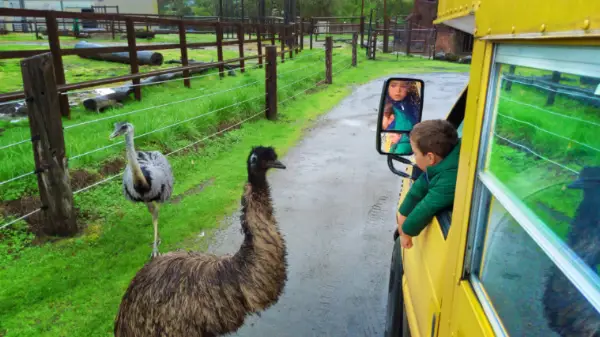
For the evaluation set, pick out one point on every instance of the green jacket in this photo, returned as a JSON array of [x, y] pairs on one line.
[[432, 192]]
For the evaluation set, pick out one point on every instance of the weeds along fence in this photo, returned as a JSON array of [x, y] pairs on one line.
[[52, 142], [289, 35]]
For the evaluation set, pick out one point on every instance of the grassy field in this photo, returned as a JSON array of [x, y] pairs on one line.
[[564, 133], [72, 287]]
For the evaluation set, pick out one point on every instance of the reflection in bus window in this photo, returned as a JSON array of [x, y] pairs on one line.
[[545, 149], [531, 296]]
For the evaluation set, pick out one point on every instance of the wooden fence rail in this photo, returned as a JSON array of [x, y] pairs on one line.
[[51, 20]]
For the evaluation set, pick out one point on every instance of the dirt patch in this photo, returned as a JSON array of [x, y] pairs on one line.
[[23, 206], [194, 190], [82, 178], [113, 167]]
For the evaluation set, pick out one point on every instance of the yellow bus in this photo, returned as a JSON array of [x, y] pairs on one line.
[[519, 252]]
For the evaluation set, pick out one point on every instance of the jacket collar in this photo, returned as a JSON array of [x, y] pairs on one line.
[[450, 162]]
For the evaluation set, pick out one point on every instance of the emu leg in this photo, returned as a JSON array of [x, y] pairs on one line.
[[153, 208]]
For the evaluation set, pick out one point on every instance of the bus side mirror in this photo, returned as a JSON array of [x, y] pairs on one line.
[[400, 108]]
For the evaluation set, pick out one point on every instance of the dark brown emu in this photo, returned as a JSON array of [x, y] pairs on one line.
[[189, 294], [568, 312]]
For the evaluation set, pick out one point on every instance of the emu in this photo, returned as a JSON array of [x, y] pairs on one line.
[[191, 294], [567, 310], [148, 177]]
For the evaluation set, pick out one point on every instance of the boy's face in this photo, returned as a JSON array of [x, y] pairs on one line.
[[423, 160]]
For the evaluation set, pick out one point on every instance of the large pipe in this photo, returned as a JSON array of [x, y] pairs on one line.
[[144, 57]]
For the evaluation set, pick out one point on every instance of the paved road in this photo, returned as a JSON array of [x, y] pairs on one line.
[[335, 204]]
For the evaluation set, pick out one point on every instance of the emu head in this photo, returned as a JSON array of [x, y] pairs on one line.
[[263, 158], [589, 179], [121, 128]]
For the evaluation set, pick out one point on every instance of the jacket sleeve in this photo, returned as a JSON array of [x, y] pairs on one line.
[[415, 194], [438, 198]]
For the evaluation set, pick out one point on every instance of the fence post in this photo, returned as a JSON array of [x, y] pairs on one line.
[[302, 35], [312, 28], [354, 42], [408, 37], [511, 70], [273, 30], [552, 94], [219, 29], [297, 37], [48, 142], [240, 36], [328, 66], [289, 31], [282, 40], [133, 60], [59, 71], [386, 37], [271, 83], [184, 53], [362, 31], [259, 37]]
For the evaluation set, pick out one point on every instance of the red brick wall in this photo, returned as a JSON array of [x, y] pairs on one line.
[[445, 42]]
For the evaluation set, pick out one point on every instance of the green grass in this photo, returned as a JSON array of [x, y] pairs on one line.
[[541, 184], [72, 287]]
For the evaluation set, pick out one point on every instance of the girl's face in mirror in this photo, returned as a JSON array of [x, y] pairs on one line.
[[398, 90]]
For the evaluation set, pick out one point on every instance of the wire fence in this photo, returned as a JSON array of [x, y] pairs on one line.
[[193, 143], [536, 154], [549, 112]]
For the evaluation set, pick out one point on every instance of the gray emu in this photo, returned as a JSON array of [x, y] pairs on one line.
[[148, 177], [567, 310], [190, 294]]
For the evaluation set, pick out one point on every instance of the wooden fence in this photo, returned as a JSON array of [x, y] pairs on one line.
[[44, 114], [289, 35]]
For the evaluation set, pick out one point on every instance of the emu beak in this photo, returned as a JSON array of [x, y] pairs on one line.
[[276, 164], [113, 135]]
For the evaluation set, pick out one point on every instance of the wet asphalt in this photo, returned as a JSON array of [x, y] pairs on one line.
[[335, 205]]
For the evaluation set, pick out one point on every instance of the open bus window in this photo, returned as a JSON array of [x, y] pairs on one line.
[[540, 160]]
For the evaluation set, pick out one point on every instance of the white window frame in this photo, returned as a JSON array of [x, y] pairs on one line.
[[555, 58]]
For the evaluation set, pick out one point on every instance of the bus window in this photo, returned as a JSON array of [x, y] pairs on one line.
[[535, 223]]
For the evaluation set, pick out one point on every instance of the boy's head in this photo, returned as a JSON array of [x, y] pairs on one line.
[[431, 141]]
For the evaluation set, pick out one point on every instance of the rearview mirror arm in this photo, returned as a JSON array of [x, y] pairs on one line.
[[393, 169]]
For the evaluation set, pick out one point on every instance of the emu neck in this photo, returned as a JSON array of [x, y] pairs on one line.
[[262, 256], [138, 175]]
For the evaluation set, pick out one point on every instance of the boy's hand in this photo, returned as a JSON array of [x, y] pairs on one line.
[[406, 241]]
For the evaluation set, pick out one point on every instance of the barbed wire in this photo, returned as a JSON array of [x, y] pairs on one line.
[[166, 127], [300, 80], [558, 91], [16, 178], [14, 144], [549, 132], [20, 218], [548, 111], [160, 106], [12, 102], [536, 154], [159, 82]]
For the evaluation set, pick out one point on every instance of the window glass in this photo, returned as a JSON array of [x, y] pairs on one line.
[[459, 130], [530, 294], [544, 147]]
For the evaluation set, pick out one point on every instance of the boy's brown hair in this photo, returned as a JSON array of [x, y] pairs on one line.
[[437, 136]]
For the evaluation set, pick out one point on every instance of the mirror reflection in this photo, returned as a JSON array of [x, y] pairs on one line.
[[400, 110]]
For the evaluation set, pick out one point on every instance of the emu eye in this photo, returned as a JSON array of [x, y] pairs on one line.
[[253, 159]]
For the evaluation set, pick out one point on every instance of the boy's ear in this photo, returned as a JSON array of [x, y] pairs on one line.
[[431, 158]]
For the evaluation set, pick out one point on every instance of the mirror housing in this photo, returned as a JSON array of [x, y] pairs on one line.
[[400, 108]]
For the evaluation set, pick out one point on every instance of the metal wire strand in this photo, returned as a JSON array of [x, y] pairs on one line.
[[166, 127], [159, 106], [19, 219]]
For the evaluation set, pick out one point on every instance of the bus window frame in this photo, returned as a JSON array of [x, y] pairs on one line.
[[487, 186]]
